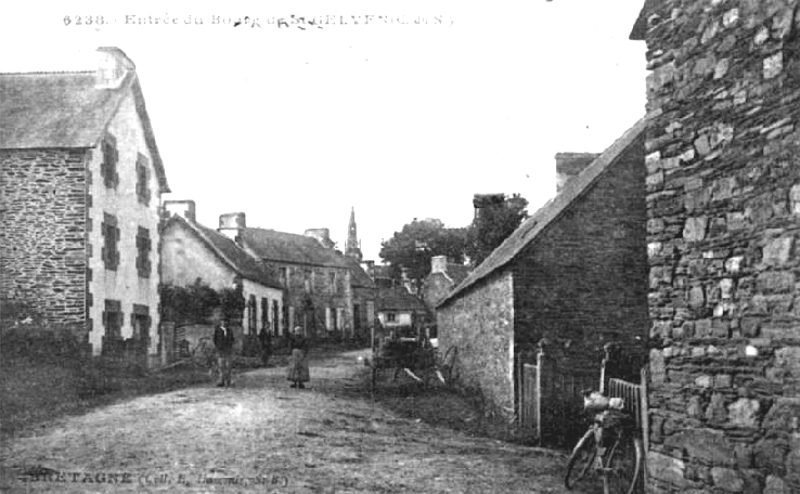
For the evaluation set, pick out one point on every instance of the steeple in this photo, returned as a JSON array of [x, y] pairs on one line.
[[353, 246]]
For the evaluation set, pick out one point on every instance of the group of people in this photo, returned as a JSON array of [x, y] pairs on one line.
[[297, 372]]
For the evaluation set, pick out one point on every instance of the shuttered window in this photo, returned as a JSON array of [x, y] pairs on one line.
[[110, 251], [142, 176], [108, 168], [143, 248]]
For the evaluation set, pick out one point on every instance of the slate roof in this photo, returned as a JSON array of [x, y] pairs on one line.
[[359, 278], [457, 272], [398, 298], [290, 248], [230, 253], [43, 110], [541, 219]]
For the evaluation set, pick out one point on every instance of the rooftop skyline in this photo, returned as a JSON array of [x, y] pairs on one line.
[[395, 119]]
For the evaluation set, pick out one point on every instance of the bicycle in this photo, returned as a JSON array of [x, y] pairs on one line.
[[611, 448]]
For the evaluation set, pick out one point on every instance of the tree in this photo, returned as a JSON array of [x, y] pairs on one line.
[[413, 247], [493, 223]]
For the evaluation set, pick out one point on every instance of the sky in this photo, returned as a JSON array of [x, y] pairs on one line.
[[296, 123]]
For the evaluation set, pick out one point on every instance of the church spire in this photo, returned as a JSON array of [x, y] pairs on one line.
[[353, 246]]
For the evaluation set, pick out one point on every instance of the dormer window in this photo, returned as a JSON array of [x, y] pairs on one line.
[[142, 187], [108, 168]]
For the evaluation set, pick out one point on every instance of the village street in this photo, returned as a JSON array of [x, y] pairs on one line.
[[262, 436]]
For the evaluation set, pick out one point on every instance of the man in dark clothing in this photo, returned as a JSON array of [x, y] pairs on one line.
[[266, 345], [223, 341]]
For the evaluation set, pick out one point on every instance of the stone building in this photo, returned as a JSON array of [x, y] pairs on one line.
[[190, 251], [319, 295], [570, 165], [723, 206], [364, 299], [574, 273], [442, 279], [399, 308], [81, 185]]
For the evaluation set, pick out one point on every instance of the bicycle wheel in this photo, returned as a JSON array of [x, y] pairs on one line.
[[623, 464], [580, 467]]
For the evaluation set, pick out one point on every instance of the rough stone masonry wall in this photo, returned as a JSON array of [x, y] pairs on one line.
[[723, 223], [479, 325], [583, 281], [43, 234]]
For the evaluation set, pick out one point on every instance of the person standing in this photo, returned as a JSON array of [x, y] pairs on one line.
[[266, 345], [223, 341], [298, 363]]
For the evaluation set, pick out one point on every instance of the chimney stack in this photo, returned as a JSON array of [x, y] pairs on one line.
[[438, 264], [183, 208], [480, 201], [369, 267], [323, 236], [570, 165], [232, 224], [113, 65]]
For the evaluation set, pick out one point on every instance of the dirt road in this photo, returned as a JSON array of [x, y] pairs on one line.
[[262, 436]]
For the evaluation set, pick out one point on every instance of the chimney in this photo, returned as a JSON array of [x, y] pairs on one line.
[[323, 236], [231, 225], [369, 267], [570, 165], [480, 201], [407, 282], [438, 264], [112, 67], [183, 208]]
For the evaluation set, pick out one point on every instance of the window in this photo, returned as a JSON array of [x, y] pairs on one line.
[[112, 320], [110, 251], [284, 275], [391, 317], [275, 316], [142, 187], [328, 319], [356, 317], [308, 278], [264, 314], [251, 313], [332, 281], [108, 168], [338, 319], [143, 247], [140, 322]]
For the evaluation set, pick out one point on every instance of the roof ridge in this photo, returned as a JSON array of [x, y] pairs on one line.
[[549, 212], [277, 231], [204, 231]]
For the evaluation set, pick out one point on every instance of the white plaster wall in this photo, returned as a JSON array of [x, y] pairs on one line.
[[269, 293], [124, 284], [185, 258], [401, 319]]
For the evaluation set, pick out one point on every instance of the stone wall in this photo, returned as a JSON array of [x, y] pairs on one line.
[[124, 283], [480, 325], [582, 282], [435, 288], [43, 245], [312, 289], [723, 198]]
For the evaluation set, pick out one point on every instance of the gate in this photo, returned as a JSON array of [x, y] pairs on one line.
[[551, 395], [551, 398]]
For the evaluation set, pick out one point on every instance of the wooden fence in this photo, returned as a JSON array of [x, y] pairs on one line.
[[551, 395]]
